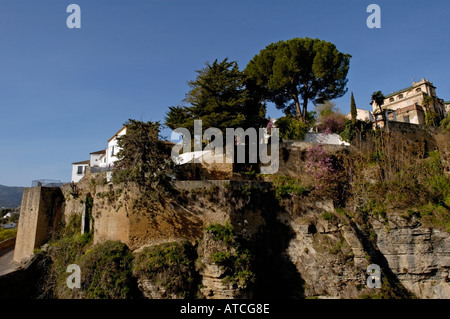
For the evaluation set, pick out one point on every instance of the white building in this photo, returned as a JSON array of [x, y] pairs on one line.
[[362, 115], [9, 225], [330, 139], [98, 159], [113, 148], [408, 105], [79, 170]]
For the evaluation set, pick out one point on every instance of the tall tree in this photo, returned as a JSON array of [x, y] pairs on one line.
[[220, 98], [299, 70], [353, 110], [379, 98], [143, 158]]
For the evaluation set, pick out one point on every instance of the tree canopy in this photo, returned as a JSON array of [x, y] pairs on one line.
[[220, 98], [299, 70]]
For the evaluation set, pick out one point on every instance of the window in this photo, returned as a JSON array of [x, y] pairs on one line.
[[80, 170], [112, 151], [418, 90], [400, 96], [406, 119], [391, 99]]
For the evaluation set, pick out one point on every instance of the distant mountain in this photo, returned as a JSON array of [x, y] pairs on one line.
[[10, 197]]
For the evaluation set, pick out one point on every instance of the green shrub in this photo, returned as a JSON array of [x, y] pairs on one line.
[[171, 266], [291, 127], [7, 233], [435, 216], [223, 233], [65, 248], [445, 124], [107, 271], [246, 190], [236, 260], [328, 216], [286, 186]]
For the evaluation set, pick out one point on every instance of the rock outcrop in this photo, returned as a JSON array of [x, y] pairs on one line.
[[418, 256]]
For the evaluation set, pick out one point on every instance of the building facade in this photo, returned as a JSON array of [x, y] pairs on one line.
[[113, 148], [99, 161], [79, 170], [409, 105], [362, 115]]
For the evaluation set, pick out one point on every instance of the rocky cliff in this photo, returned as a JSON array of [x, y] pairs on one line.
[[299, 246]]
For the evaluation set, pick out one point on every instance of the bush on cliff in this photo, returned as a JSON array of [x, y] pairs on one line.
[[107, 271], [398, 176], [237, 260], [170, 266]]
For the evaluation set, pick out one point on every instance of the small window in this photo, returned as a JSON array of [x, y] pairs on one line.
[[112, 151], [80, 170], [400, 96], [391, 99], [406, 119], [418, 90]]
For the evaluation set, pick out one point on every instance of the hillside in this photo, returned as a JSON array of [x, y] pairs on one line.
[[10, 197]]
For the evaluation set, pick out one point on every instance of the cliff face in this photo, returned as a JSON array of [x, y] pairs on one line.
[[326, 253], [300, 246], [419, 256], [332, 256]]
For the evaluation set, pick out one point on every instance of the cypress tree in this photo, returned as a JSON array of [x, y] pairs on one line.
[[353, 111]]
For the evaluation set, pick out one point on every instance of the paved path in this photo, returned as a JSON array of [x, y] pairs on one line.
[[6, 263]]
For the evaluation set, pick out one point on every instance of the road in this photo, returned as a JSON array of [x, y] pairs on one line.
[[6, 262]]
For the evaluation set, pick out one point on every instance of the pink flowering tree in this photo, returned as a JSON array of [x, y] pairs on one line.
[[319, 164]]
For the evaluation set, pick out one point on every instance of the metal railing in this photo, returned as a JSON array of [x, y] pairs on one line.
[[46, 183], [97, 169]]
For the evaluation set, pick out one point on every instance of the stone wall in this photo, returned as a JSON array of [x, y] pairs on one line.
[[414, 133], [4, 245], [23, 283], [74, 205], [40, 214]]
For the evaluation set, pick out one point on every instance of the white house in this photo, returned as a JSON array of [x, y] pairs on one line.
[[98, 159], [113, 148], [362, 115], [79, 170], [330, 139], [9, 225]]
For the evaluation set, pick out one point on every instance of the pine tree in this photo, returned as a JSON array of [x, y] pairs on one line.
[[220, 98], [291, 73]]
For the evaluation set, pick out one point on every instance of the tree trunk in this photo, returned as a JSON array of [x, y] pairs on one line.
[[298, 112], [305, 108]]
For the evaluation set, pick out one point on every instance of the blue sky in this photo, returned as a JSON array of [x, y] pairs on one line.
[[64, 92]]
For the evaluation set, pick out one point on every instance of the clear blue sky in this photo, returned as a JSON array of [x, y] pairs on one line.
[[64, 92]]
